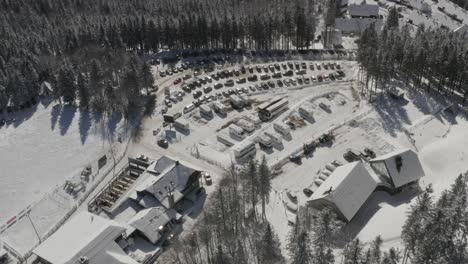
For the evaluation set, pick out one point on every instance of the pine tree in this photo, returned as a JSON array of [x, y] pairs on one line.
[[83, 93], [270, 251], [352, 253], [147, 78], [323, 255], [264, 183], [302, 254], [392, 19], [66, 82]]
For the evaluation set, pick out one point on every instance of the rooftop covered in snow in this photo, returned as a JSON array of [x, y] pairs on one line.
[[346, 189], [401, 166], [85, 236]]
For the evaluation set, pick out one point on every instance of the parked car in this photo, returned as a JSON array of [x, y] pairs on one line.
[[295, 158], [207, 178], [207, 89], [197, 94], [351, 156], [292, 197], [163, 143], [177, 81], [308, 192]]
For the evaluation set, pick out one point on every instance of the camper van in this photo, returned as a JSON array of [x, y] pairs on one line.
[[264, 141], [306, 111], [236, 131], [245, 150], [275, 137], [182, 124], [282, 128], [220, 108], [205, 110], [246, 125], [189, 108]]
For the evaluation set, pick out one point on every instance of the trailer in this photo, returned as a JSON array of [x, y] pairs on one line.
[[264, 141], [254, 119], [236, 101], [224, 139], [237, 131], [306, 111], [275, 137], [245, 150], [282, 128], [220, 108], [182, 124], [205, 110], [246, 125]]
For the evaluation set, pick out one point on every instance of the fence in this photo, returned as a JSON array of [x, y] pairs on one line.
[[56, 226]]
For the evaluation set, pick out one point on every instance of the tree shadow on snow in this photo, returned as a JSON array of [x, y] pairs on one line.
[[66, 118], [23, 115], [393, 114], [54, 115], [85, 125]]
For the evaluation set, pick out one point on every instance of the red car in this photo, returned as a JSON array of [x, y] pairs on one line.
[[177, 81]]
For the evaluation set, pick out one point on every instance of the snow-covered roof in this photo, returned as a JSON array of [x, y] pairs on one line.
[[173, 176], [85, 235], [152, 220], [363, 10], [410, 170], [348, 187], [45, 87]]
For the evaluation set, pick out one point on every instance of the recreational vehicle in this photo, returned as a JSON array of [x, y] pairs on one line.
[[182, 124], [220, 108], [306, 111], [236, 101], [275, 137], [205, 110], [189, 108], [246, 125], [264, 141], [237, 131], [282, 128], [245, 150]]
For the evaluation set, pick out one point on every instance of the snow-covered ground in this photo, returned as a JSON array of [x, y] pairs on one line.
[[45, 146], [437, 136]]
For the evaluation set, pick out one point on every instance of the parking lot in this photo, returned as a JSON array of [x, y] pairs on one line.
[[196, 96]]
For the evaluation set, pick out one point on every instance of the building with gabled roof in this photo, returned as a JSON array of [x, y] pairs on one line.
[[153, 223], [345, 190], [399, 168], [86, 238], [45, 89], [168, 181]]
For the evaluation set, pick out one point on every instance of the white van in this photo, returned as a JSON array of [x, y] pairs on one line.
[[189, 108]]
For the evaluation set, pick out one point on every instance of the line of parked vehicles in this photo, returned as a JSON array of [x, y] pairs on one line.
[[264, 73]]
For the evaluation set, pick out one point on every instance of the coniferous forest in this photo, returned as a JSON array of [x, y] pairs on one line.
[[91, 49], [431, 59]]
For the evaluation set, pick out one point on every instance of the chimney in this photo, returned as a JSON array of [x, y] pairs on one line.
[[170, 198]]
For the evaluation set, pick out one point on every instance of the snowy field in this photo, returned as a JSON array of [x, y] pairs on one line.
[[47, 145]]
